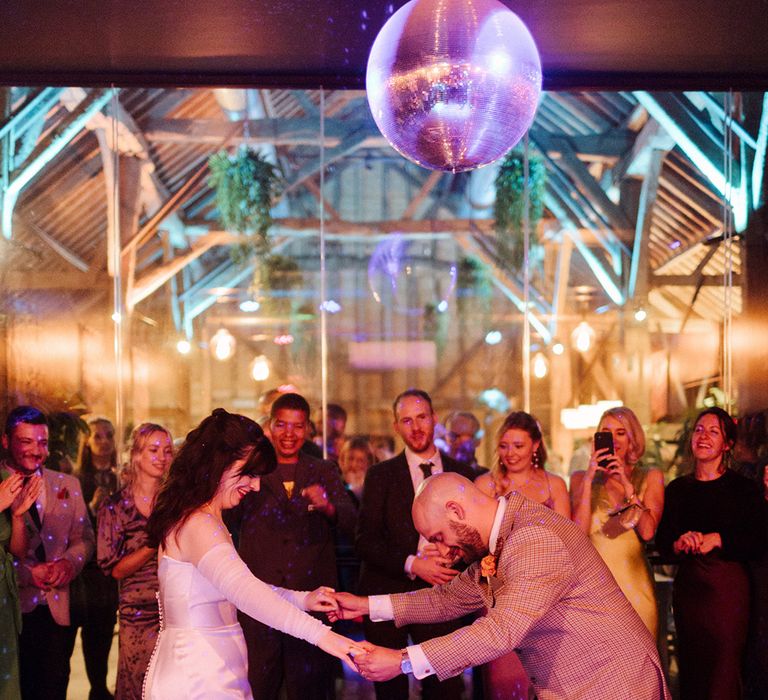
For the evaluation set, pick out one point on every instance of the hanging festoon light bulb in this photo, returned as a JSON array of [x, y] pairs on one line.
[[540, 365], [260, 368], [184, 346], [558, 348], [451, 84], [223, 344], [583, 336]]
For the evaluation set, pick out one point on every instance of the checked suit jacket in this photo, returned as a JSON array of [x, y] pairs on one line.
[[555, 603], [386, 535]]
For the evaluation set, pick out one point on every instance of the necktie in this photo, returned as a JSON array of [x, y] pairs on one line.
[[39, 550], [426, 469]]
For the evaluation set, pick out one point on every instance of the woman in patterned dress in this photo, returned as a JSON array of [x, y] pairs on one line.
[[123, 553]]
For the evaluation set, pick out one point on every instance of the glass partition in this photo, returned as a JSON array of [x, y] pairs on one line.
[[641, 215]]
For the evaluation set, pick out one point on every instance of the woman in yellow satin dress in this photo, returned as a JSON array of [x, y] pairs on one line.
[[619, 506]]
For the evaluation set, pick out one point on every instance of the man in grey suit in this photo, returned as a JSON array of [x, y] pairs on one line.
[[60, 542], [546, 592]]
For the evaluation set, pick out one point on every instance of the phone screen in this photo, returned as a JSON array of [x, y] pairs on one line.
[[603, 440]]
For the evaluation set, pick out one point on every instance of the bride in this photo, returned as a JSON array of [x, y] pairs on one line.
[[201, 652]]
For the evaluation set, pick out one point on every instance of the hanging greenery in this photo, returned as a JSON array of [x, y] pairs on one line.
[[246, 184], [510, 201], [472, 275]]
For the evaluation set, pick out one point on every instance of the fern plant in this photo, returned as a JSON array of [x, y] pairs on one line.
[[509, 208], [246, 184]]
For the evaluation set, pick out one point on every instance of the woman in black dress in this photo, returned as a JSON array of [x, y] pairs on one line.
[[712, 525]]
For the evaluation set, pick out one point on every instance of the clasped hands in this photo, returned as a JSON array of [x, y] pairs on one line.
[[372, 662], [52, 574], [697, 542]]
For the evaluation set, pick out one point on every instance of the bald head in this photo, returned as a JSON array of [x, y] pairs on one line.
[[450, 510]]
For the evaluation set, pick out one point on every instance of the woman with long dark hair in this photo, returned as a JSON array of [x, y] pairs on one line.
[[201, 652], [124, 552], [712, 525]]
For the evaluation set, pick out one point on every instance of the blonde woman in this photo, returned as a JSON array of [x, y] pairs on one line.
[[123, 552], [619, 506], [519, 467]]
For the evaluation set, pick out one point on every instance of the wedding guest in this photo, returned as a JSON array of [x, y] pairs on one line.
[[355, 459], [519, 468], [124, 553], [201, 651], [712, 525], [618, 503], [394, 557], [756, 666], [60, 541], [286, 538], [542, 588], [17, 495], [98, 600]]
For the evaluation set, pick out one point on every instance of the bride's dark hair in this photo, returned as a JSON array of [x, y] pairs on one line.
[[196, 471]]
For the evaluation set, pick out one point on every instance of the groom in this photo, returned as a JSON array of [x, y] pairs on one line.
[[546, 592]]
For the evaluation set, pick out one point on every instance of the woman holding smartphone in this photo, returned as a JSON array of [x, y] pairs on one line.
[[618, 503]]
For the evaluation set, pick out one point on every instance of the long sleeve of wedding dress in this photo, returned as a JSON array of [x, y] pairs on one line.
[[273, 606]]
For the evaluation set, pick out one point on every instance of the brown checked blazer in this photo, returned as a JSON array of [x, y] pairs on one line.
[[555, 603]]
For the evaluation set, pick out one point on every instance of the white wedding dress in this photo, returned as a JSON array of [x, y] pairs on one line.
[[200, 652]]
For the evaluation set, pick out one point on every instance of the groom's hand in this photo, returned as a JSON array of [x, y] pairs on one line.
[[349, 607], [379, 663], [434, 569]]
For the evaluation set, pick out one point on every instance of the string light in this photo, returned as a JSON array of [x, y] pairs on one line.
[[260, 368], [540, 365], [582, 337], [223, 344]]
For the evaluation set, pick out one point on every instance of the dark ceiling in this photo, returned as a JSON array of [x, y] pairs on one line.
[[585, 44]]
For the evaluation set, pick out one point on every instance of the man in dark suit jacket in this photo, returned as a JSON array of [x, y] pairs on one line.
[[394, 558], [286, 539]]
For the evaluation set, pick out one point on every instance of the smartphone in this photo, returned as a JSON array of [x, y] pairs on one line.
[[603, 440]]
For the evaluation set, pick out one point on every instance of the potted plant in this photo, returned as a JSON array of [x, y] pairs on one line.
[[246, 184], [510, 203]]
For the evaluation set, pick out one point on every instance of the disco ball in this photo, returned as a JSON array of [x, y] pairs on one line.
[[453, 84], [404, 275]]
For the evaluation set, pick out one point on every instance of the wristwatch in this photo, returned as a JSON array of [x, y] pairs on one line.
[[405, 662]]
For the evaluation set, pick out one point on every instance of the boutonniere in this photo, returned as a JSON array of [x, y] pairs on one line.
[[488, 571], [63, 494]]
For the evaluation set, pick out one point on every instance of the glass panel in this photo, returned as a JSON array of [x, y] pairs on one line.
[[421, 288]]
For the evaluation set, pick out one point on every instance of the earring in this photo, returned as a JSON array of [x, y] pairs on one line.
[[535, 460]]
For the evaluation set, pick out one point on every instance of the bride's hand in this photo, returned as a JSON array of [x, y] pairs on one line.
[[322, 600], [341, 647]]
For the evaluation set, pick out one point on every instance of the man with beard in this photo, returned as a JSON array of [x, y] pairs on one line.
[[394, 558], [59, 543], [547, 592]]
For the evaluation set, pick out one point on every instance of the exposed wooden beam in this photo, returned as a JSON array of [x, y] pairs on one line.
[[314, 188], [639, 269], [75, 260], [156, 278], [692, 280], [422, 194], [47, 150], [18, 280], [300, 131]]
